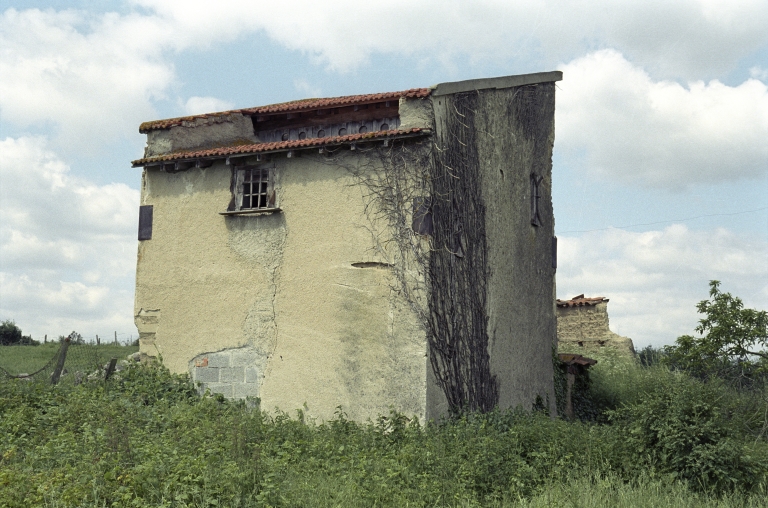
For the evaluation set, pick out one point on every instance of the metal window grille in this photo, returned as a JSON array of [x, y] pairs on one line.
[[255, 188]]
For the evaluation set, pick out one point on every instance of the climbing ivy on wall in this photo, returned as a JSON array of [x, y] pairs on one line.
[[458, 267], [440, 269]]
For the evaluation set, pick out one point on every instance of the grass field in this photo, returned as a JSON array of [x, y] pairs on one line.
[[27, 359]]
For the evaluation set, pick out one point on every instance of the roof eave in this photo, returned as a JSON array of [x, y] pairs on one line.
[[237, 153]]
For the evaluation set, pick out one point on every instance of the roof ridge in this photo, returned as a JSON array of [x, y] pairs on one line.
[[289, 106]]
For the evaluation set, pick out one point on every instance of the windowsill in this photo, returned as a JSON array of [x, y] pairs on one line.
[[257, 211]]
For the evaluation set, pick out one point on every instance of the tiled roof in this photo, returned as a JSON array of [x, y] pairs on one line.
[[292, 107], [280, 146], [573, 359], [580, 301]]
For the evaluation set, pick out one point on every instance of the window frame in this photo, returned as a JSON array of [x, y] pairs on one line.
[[245, 174]]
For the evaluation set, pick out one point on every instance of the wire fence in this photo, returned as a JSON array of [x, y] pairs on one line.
[[116, 338], [71, 363]]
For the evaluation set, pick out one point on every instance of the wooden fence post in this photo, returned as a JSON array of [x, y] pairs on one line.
[[60, 364], [115, 337], [98, 342], [110, 369]]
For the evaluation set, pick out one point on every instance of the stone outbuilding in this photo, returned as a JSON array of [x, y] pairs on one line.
[[582, 325], [389, 250]]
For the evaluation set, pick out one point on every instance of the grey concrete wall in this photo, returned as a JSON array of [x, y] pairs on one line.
[[235, 373], [515, 138]]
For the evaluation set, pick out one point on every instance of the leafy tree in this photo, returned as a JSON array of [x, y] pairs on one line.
[[10, 334], [734, 339]]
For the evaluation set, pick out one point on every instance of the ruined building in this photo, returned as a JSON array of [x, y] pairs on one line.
[[582, 326], [371, 251]]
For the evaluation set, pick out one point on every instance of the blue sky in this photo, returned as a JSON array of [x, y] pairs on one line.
[[661, 125]]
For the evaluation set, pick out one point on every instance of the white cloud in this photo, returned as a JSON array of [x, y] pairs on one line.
[[91, 77], [94, 77], [690, 38], [654, 279], [198, 105], [659, 133], [759, 73], [67, 246]]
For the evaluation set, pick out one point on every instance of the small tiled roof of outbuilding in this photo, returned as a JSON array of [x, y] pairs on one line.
[[574, 359], [581, 301], [291, 107], [254, 148]]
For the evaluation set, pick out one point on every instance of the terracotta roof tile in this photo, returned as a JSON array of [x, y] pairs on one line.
[[291, 107], [279, 146], [580, 301], [573, 359]]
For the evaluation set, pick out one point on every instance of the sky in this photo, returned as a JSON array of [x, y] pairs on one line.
[[660, 176]]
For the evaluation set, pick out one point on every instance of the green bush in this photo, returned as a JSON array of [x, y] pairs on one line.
[[688, 429]]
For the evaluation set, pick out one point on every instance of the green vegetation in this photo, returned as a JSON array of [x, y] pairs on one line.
[[651, 434], [145, 438], [734, 345], [11, 334]]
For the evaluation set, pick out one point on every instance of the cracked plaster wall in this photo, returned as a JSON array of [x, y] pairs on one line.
[[295, 308], [201, 133], [416, 113]]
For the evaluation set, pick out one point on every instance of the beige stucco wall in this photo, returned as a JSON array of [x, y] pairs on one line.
[[416, 113], [205, 132], [585, 328], [278, 293]]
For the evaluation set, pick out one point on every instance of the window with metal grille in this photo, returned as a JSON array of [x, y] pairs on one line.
[[255, 189]]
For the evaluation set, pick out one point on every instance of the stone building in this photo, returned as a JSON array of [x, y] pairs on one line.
[[582, 326], [389, 250]]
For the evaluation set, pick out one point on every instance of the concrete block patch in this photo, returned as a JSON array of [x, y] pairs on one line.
[[245, 357], [221, 359], [223, 388], [234, 373], [241, 391], [252, 375], [206, 375]]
